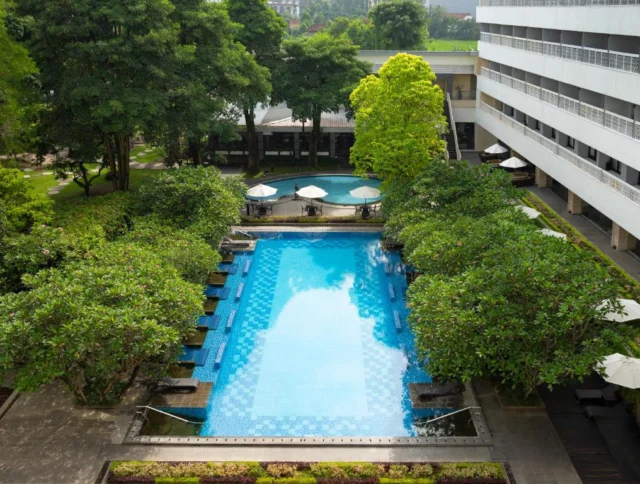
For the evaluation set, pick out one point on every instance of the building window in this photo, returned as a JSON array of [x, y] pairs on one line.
[[593, 154], [613, 165], [553, 133], [512, 112], [571, 143], [536, 125]]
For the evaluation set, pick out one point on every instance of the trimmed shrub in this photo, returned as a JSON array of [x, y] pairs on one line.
[[407, 480], [287, 480], [470, 480], [227, 480], [397, 471], [177, 480], [421, 470], [281, 470], [113, 479], [474, 471], [346, 480]]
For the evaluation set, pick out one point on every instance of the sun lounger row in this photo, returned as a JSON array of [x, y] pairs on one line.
[[178, 385], [441, 390], [208, 322], [213, 292], [194, 356], [608, 394]]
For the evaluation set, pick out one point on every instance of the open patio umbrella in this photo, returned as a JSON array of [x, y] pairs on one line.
[[530, 212], [513, 162], [553, 233], [630, 311], [365, 192], [311, 191], [621, 370], [261, 191], [496, 149]]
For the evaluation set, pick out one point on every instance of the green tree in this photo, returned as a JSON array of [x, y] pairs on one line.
[[399, 117], [439, 22], [316, 76], [91, 324], [23, 206], [399, 24], [196, 199], [358, 30], [18, 90], [261, 34], [107, 63], [527, 316]]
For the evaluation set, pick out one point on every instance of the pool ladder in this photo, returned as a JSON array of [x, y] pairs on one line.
[[449, 414], [146, 408]]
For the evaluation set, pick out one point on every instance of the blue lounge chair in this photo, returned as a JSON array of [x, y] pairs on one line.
[[228, 269], [213, 292], [194, 356], [208, 322]]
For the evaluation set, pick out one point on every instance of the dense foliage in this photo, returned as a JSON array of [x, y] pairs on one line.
[[399, 24], [496, 297], [316, 76], [20, 205], [399, 115], [443, 26]]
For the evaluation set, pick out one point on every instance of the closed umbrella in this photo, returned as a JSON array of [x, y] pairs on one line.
[[621, 370], [496, 149], [553, 233], [365, 192], [311, 191], [261, 191], [513, 162], [530, 212], [630, 311]]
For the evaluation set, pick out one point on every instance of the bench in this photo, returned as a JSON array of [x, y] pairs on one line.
[[232, 316], [219, 355], [208, 322], [239, 291], [213, 292], [247, 266]]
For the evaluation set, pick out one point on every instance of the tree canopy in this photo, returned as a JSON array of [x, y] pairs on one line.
[[399, 117], [399, 24], [316, 76], [21, 205]]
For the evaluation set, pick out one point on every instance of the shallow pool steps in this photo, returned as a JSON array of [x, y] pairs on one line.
[[219, 355], [398, 321], [232, 316], [392, 292]]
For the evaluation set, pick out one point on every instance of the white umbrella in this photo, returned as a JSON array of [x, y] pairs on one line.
[[530, 212], [365, 192], [513, 162], [261, 191], [496, 149], [621, 370], [311, 191], [553, 233], [630, 311]]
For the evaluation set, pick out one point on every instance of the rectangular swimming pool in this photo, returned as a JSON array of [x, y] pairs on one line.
[[319, 345]]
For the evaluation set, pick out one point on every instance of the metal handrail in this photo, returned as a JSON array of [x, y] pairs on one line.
[[453, 128], [449, 414], [147, 407]]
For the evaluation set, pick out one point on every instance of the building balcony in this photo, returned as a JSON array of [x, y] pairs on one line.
[[555, 3], [618, 200], [621, 140]]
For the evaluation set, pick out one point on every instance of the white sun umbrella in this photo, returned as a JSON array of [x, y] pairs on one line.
[[262, 191], [513, 162], [553, 233], [621, 370], [630, 311], [365, 192], [496, 149], [311, 191], [529, 212]]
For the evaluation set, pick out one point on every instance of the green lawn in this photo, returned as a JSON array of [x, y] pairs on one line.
[[41, 183], [102, 186], [155, 156], [447, 45]]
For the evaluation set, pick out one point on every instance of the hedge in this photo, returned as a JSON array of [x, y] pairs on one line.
[[310, 220], [304, 473]]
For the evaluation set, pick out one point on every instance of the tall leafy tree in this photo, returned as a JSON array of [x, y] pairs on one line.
[[261, 33], [18, 89], [107, 63], [317, 75], [22, 206], [399, 116], [399, 24]]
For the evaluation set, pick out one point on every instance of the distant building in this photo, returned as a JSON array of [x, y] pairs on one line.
[[373, 3], [291, 7]]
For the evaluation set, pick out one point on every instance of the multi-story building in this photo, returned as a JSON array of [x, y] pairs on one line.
[[290, 7], [559, 83]]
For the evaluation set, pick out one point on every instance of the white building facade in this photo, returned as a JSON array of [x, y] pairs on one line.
[[559, 83]]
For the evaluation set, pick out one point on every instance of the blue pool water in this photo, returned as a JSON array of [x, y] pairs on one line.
[[313, 349], [337, 187]]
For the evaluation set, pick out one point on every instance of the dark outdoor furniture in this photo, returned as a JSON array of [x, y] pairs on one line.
[[366, 210], [178, 385], [194, 356], [311, 210], [607, 394], [214, 292], [208, 322], [441, 390], [593, 412]]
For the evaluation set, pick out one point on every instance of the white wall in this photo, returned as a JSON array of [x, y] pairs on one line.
[[614, 205], [607, 141], [614, 83], [464, 115], [619, 19]]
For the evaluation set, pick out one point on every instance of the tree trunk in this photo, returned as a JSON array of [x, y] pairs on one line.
[[111, 161], [254, 157], [124, 149], [173, 149], [195, 149], [315, 140]]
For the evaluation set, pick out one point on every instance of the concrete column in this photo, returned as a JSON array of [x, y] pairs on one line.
[[332, 144], [260, 146], [296, 146], [575, 204], [542, 179], [621, 239], [602, 160], [628, 174]]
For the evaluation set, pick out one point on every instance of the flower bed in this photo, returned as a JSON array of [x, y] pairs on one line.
[[143, 472]]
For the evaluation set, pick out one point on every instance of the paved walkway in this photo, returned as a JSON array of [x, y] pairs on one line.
[[596, 236]]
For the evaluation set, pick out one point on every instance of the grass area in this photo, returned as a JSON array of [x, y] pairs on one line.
[[448, 45], [156, 155], [102, 186], [41, 183]]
